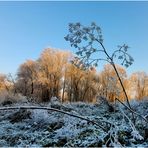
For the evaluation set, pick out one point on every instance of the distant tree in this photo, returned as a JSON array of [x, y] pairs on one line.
[[13, 84], [26, 77], [110, 85], [80, 85], [73, 79], [139, 84], [51, 70], [6, 85], [90, 86], [88, 41], [3, 82], [42, 78]]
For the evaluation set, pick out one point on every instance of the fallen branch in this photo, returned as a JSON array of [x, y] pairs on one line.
[[132, 110], [53, 109]]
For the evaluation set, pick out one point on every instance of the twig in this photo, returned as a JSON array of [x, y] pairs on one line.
[[53, 109], [132, 110]]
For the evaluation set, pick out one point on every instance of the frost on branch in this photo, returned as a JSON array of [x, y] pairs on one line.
[[123, 56], [88, 41], [84, 38]]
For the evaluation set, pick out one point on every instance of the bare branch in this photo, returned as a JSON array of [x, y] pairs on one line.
[[101, 59], [132, 110], [119, 51], [53, 109]]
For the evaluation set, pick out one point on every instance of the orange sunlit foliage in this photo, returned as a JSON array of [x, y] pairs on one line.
[[139, 85], [5, 84], [110, 86], [54, 75], [73, 77], [27, 73], [80, 85], [42, 78], [51, 68], [2, 82]]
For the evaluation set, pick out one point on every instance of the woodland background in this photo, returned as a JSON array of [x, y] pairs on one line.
[[53, 75]]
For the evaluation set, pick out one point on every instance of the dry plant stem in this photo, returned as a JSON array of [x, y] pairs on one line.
[[113, 64], [56, 110], [132, 110], [127, 99]]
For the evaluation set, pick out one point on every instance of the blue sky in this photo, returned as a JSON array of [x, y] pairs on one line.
[[26, 28]]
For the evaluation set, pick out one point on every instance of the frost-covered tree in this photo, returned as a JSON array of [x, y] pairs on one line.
[[110, 86], [139, 84], [4, 85], [42, 78], [26, 77], [51, 68], [80, 85], [89, 42]]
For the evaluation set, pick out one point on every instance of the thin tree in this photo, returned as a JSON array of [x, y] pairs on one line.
[[89, 41]]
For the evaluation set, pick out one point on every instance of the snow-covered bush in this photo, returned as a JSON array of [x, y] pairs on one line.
[[7, 98]]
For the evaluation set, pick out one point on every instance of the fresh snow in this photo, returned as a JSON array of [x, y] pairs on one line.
[[48, 128]]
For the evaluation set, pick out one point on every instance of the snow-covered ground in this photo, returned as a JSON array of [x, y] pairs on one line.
[[48, 128]]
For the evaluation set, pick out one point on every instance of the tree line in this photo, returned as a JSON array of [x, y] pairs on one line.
[[53, 74]]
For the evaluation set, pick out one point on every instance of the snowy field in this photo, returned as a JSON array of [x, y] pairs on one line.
[[48, 128]]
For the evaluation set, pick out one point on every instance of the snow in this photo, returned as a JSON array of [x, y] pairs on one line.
[[49, 128]]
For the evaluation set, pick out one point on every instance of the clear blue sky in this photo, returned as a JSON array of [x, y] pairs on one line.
[[26, 28]]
